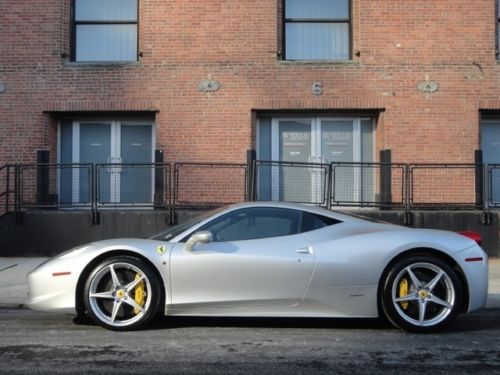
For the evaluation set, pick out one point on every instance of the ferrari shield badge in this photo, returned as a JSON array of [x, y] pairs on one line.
[[161, 250]]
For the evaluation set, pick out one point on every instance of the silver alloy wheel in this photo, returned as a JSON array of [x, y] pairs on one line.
[[111, 294], [430, 298]]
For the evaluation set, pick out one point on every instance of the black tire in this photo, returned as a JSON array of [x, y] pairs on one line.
[[427, 307], [126, 302]]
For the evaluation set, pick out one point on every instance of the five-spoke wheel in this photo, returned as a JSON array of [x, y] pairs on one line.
[[421, 293], [122, 293]]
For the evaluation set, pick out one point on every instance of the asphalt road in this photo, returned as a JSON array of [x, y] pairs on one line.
[[37, 343]]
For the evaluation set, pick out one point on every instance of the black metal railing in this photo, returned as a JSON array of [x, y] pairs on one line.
[[369, 185], [292, 182], [45, 186], [7, 189], [203, 185], [85, 186], [132, 185], [493, 185], [449, 186]]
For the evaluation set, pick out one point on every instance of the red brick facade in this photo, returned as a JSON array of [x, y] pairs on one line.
[[395, 46]]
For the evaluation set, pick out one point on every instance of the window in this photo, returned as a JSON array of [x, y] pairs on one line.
[[314, 140], [312, 222], [87, 141], [104, 30], [317, 29], [498, 29], [490, 145], [254, 223]]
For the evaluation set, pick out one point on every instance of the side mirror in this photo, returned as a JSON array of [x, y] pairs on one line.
[[199, 237]]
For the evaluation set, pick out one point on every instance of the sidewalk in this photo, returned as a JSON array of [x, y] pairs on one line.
[[13, 273]]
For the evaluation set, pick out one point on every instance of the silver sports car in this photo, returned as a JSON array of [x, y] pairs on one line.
[[269, 259]]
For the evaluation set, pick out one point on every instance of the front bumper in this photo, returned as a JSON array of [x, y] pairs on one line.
[[52, 287]]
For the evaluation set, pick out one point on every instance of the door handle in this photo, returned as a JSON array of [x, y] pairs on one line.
[[304, 250]]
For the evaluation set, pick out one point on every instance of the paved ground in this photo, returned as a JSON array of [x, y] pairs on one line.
[[39, 343]]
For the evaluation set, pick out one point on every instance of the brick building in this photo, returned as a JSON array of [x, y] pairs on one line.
[[111, 81]]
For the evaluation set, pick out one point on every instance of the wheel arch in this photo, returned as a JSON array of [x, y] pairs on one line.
[[79, 302], [426, 251]]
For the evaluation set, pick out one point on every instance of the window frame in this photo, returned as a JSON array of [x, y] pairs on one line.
[[200, 226], [285, 21], [282, 210], [497, 34], [75, 23]]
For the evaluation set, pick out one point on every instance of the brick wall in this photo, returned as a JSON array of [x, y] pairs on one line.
[[396, 44]]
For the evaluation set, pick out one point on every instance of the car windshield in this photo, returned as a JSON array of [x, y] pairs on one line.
[[174, 231]]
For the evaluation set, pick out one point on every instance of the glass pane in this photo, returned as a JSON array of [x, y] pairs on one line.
[[136, 147], [254, 223], [337, 141], [337, 146], [295, 184], [95, 147], [490, 144], [66, 157], [295, 140], [368, 174], [367, 140], [106, 43], [317, 9], [106, 10], [317, 41], [264, 176]]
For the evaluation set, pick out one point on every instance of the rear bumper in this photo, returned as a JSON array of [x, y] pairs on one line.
[[474, 263]]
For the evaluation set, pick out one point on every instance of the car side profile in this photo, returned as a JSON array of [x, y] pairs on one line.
[[269, 259]]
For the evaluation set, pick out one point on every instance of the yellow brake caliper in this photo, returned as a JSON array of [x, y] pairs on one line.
[[403, 291], [140, 294]]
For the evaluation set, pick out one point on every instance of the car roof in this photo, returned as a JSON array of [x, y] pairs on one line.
[[295, 206]]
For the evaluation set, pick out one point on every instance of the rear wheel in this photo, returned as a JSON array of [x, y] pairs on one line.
[[421, 294], [122, 293]]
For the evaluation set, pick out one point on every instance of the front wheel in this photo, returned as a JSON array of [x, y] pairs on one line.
[[421, 293], [122, 293]]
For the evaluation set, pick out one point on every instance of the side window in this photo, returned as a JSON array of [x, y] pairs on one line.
[[104, 30], [317, 29], [254, 223], [312, 221]]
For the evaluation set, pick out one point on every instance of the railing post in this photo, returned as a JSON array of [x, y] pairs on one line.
[[175, 186], [385, 179], [159, 188], [251, 156], [486, 193], [329, 186], [94, 181], [407, 214], [7, 191], [479, 179], [17, 193], [42, 177]]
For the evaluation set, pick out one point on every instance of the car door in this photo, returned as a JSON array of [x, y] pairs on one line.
[[257, 258]]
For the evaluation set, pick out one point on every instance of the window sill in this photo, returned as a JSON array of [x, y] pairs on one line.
[[319, 62], [101, 64]]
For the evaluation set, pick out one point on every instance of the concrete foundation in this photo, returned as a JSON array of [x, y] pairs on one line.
[[48, 233]]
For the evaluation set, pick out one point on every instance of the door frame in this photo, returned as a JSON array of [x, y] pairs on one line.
[[115, 150], [315, 122]]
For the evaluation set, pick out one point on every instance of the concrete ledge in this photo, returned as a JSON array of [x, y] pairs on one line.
[[48, 233]]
